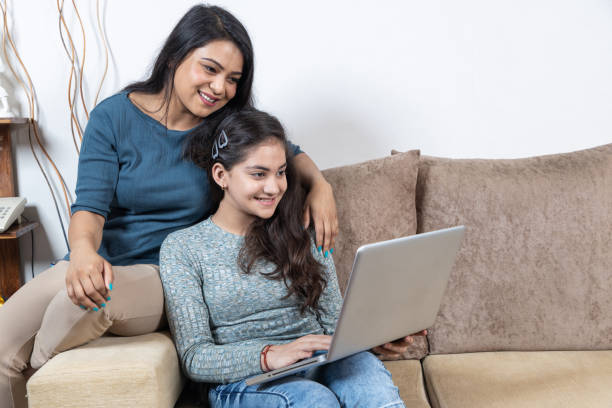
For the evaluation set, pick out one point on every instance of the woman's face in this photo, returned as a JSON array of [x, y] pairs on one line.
[[207, 78], [255, 186]]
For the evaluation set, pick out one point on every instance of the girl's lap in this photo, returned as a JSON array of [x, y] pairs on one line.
[[293, 391], [358, 380]]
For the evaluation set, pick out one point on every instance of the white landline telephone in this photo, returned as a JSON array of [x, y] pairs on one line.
[[10, 209]]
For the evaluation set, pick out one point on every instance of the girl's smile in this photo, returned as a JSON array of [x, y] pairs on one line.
[[253, 188]]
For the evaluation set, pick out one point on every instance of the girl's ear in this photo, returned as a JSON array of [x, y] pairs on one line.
[[219, 174]]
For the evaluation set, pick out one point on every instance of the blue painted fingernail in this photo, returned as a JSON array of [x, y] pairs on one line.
[[95, 309], [331, 251], [103, 305], [320, 249], [110, 286], [326, 253], [83, 307], [108, 298]]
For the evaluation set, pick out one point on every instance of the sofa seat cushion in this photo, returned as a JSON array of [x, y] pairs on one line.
[[139, 371], [520, 379], [408, 377]]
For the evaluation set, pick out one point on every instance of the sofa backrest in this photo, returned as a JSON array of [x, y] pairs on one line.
[[375, 201], [535, 268]]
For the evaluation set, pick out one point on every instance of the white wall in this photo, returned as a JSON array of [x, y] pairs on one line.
[[351, 79]]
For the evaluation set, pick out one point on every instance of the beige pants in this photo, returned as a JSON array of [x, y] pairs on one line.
[[40, 320]]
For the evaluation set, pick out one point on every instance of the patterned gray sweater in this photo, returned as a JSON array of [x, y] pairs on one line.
[[220, 317]]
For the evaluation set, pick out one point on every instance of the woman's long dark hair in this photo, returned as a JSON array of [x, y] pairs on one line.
[[198, 27], [280, 239]]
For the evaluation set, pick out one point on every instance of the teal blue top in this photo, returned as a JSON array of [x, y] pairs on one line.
[[220, 317], [132, 172]]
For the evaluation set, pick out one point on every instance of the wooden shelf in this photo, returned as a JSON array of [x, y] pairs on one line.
[[18, 230], [10, 279], [7, 183], [16, 121]]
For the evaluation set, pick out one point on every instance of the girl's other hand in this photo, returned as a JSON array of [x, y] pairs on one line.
[[320, 206], [283, 355], [396, 348], [88, 279]]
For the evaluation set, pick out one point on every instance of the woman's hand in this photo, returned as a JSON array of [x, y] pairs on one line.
[[88, 279], [283, 355], [397, 347], [89, 276], [320, 206]]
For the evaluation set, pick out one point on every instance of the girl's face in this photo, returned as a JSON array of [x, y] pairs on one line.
[[255, 186], [207, 78]]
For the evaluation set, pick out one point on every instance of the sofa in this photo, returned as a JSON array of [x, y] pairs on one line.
[[526, 319]]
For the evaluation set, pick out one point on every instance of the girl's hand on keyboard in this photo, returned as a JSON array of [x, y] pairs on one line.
[[283, 355]]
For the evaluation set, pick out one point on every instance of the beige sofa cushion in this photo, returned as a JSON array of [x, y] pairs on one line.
[[534, 270], [139, 371], [408, 377], [544, 379], [375, 201]]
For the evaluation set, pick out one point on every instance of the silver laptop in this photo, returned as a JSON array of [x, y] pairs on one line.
[[395, 289]]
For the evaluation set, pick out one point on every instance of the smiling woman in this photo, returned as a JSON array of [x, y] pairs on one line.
[[204, 82], [205, 67], [136, 185]]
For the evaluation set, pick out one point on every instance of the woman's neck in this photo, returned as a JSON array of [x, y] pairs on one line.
[[229, 219], [179, 117], [172, 114]]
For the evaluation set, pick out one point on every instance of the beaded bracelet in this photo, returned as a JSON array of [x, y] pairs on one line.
[[264, 353]]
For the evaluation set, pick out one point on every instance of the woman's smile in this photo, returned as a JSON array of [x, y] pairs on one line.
[[208, 99]]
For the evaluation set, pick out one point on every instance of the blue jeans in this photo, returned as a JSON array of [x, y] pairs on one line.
[[360, 380]]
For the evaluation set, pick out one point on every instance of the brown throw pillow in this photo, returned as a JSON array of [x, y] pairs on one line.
[[375, 201], [534, 270]]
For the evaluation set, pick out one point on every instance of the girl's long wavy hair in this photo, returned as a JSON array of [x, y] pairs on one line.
[[201, 25], [280, 239]]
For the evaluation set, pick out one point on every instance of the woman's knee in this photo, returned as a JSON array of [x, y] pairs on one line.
[[137, 301], [21, 317], [65, 326], [136, 307]]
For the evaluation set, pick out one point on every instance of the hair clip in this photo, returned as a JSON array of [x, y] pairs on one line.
[[219, 143], [222, 140], [215, 150]]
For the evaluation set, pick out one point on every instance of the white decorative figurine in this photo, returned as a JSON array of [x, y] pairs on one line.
[[5, 111]]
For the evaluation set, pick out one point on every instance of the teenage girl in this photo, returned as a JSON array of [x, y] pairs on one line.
[[248, 291]]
